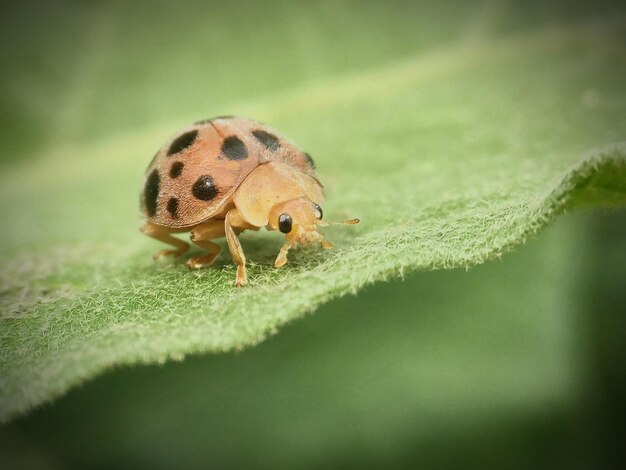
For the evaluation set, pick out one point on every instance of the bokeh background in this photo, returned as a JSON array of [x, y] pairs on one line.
[[518, 362]]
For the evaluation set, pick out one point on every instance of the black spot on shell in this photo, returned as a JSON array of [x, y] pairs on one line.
[[151, 192], [182, 142], [172, 207], [234, 149], [270, 141], [176, 169], [309, 159], [206, 121], [204, 188]]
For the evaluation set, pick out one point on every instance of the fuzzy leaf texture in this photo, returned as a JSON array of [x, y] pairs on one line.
[[453, 135]]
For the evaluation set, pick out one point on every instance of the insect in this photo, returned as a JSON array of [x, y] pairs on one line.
[[221, 176]]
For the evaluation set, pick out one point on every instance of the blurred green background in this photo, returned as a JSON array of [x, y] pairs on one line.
[[515, 363], [75, 71]]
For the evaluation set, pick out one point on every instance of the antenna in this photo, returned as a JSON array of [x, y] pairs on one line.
[[343, 222]]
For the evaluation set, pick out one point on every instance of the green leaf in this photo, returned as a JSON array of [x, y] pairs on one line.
[[373, 381], [453, 143]]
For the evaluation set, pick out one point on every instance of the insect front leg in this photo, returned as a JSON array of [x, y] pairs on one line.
[[281, 259], [234, 220], [164, 235]]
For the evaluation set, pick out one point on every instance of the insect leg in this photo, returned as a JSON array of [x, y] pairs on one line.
[[281, 259], [201, 236], [162, 234], [234, 219]]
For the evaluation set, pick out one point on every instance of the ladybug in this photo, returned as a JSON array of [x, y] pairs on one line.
[[221, 176]]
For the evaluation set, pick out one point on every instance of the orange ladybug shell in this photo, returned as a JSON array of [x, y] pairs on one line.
[[197, 172]]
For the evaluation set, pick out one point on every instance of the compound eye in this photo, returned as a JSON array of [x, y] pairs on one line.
[[284, 223], [318, 212]]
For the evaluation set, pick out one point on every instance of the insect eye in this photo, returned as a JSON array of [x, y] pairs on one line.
[[318, 212], [284, 223]]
